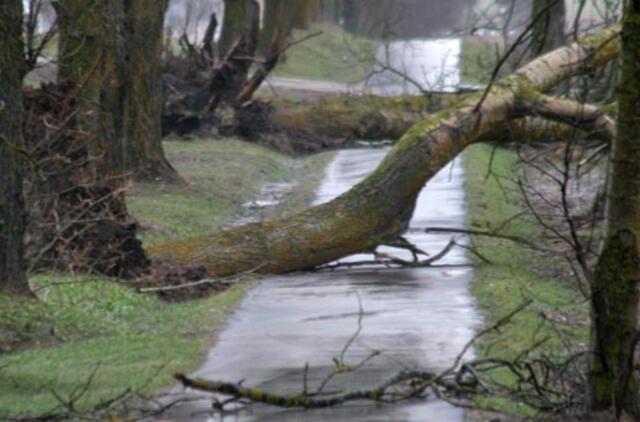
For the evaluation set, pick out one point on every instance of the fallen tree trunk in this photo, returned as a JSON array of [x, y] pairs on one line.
[[351, 116], [297, 128], [377, 210]]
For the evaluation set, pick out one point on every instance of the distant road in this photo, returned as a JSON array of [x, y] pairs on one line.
[[430, 64], [304, 88]]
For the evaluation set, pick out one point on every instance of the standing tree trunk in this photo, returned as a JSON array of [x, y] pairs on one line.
[[548, 30], [613, 381], [141, 90], [304, 12], [350, 16], [276, 26], [231, 75], [13, 278], [81, 57], [112, 51], [235, 24]]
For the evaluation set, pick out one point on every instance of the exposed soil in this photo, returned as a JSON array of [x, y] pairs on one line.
[[192, 279]]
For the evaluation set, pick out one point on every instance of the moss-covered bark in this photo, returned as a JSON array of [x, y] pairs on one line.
[[80, 37], [276, 26], [141, 90], [375, 118], [378, 209], [113, 52], [12, 212], [613, 379], [81, 57], [238, 17], [362, 117]]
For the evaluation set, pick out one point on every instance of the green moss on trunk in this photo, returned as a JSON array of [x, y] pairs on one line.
[[141, 91], [614, 313], [236, 22], [276, 26], [12, 212], [113, 52], [613, 382]]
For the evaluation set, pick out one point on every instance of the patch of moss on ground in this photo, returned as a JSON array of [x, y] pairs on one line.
[[512, 278], [335, 56]]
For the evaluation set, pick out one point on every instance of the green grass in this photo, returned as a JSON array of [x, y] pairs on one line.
[[130, 340], [81, 323], [512, 277], [478, 59], [334, 56], [221, 175]]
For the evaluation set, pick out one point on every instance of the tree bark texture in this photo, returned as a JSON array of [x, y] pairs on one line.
[[614, 337], [548, 29], [366, 117], [141, 90], [81, 54], [12, 212], [378, 209], [112, 51], [276, 26], [238, 20]]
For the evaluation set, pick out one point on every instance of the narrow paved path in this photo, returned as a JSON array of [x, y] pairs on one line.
[[415, 317]]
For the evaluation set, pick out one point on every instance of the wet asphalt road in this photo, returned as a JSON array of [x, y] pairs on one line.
[[416, 318]]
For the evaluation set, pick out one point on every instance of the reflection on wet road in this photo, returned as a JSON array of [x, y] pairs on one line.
[[415, 317]]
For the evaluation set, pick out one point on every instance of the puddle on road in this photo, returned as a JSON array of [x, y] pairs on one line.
[[270, 196]]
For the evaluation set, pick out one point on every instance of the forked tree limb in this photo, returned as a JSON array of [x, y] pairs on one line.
[[586, 117], [299, 400], [263, 69], [378, 209]]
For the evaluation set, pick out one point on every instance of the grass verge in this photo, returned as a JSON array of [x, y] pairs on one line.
[[334, 56], [129, 340], [478, 59], [221, 175], [82, 324], [514, 276]]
